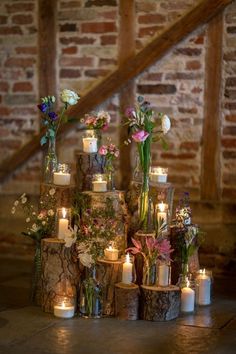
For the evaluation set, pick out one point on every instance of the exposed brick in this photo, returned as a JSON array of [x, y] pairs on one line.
[[109, 15], [193, 65], [4, 111], [20, 99], [229, 193], [178, 179], [22, 19], [70, 50], [183, 76], [192, 110], [10, 30], [230, 82], [228, 143], [23, 111], [190, 145], [145, 6], [230, 56], [149, 31], [230, 105], [105, 62], [70, 4], [98, 27], [20, 62], [151, 18], [181, 156], [196, 89], [230, 118], [68, 27], [77, 40], [156, 89], [3, 20], [231, 29], [231, 94], [229, 178], [96, 72], [90, 3], [188, 51], [22, 87], [178, 166], [230, 17], [71, 61], [26, 50], [230, 130], [69, 73], [153, 76], [174, 5], [229, 154], [20, 7], [4, 86], [108, 40], [199, 39]]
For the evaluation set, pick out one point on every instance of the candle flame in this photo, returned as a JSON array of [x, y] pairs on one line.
[[188, 283], [63, 304], [127, 258], [64, 213], [204, 271], [161, 206], [110, 247]]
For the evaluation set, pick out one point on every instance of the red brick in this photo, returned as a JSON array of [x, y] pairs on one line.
[[183, 76], [229, 154], [192, 110], [4, 132], [70, 4], [69, 73], [71, 61], [230, 82], [178, 179], [96, 72], [109, 15], [149, 31], [230, 118], [231, 29], [90, 3], [4, 111], [188, 51], [77, 40], [230, 56], [178, 166], [105, 62], [145, 6], [108, 40], [20, 62], [98, 27], [231, 94], [190, 145], [200, 39], [230, 130], [4, 86], [151, 18], [68, 27], [193, 65], [181, 156], [196, 89], [153, 76], [174, 5], [22, 87], [69, 50], [229, 178], [230, 105], [22, 19], [23, 111], [20, 7], [159, 89], [228, 143], [26, 50], [3, 20], [10, 30], [230, 17]]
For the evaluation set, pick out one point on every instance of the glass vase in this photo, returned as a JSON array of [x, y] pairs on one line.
[[50, 161], [91, 296], [149, 274], [144, 203], [110, 172]]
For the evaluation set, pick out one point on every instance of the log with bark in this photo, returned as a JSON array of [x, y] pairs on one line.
[[159, 303], [126, 301]]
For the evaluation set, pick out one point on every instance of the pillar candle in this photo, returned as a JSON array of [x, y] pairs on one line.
[[111, 254], [99, 186], [161, 214], [64, 311], [127, 271], [90, 145], [63, 225], [203, 293], [163, 274], [187, 299], [61, 178]]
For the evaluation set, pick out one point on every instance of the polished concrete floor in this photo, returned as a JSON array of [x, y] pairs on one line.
[[26, 329]]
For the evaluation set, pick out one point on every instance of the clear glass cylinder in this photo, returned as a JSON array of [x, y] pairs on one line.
[[99, 182], [50, 161], [128, 269], [62, 175], [158, 174], [163, 273], [203, 285], [149, 274], [63, 222], [64, 306], [162, 216], [111, 253], [90, 141]]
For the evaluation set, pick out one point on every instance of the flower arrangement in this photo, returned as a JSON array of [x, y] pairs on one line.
[[51, 119], [145, 127], [183, 211], [110, 152], [98, 121]]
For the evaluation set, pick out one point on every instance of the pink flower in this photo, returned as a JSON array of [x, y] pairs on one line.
[[105, 127], [90, 120], [129, 112], [117, 153], [103, 150], [140, 136]]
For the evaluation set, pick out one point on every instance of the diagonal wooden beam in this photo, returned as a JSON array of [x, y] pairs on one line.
[[156, 49]]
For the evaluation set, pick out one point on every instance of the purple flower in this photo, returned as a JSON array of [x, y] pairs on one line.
[[140, 136], [53, 115], [43, 107], [129, 112]]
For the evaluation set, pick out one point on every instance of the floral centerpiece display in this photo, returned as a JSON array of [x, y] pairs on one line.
[[146, 127], [51, 122], [110, 152], [97, 122], [39, 225]]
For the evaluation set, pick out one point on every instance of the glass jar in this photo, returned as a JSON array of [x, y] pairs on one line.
[[203, 283], [128, 269], [149, 273], [63, 222], [99, 182], [62, 176], [64, 306], [163, 273], [50, 161], [158, 174], [162, 216], [90, 141]]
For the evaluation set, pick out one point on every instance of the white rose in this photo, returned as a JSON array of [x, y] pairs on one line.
[[165, 124], [52, 191], [104, 115], [70, 97], [86, 259]]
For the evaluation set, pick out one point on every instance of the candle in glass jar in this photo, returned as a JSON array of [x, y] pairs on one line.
[[63, 225], [111, 254], [99, 185], [64, 311], [61, 178], [158, 174], [90, 145], [127, 271], [163, 274], [203, 293], [187, 299], [162, 214]]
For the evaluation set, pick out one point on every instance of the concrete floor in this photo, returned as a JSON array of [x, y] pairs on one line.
[[26, 329]]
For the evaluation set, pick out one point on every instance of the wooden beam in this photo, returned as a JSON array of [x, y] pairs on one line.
[[210, 175], [126, 45], [161, 44]]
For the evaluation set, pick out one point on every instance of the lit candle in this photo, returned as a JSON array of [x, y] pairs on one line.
[[63, 225], [187, 299], [90, 145], [61, 178], [99, 185], [162, 214], [127, 271], [64, 311], [158, 174], [163, 274], [111, 254], [203, 289]]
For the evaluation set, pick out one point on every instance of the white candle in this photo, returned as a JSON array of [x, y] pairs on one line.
[[127, 271], [162, 214], [63, 225], [64, 311], [187, 299], [61, 178], [203, 289], [100, 186], [90, 145], [163, 274], [111, 254], [158, 174]]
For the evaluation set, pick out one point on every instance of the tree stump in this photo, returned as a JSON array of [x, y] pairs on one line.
[[87, 165], [58, 263], [159, 303], [108, 274], [126, 301]]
